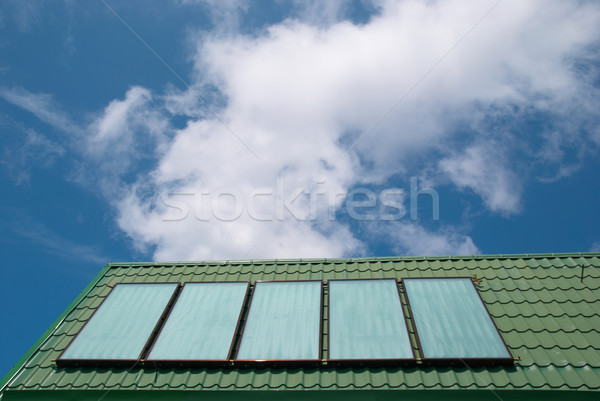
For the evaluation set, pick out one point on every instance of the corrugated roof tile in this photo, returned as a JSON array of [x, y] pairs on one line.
[[589, 376]]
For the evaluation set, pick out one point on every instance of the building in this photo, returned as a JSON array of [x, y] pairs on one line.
[[546, 308]]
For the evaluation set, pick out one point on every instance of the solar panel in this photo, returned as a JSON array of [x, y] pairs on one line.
[[122, 324], [366, 321], [202, 324], [451, 320], [283, 322]]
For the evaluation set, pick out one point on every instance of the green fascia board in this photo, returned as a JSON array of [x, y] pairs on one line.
[[21, 362], [329, 395]]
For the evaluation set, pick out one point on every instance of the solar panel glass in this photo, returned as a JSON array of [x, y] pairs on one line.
[[451, 320], [283, 322], [366, 321], [201, 325], [121, 326]]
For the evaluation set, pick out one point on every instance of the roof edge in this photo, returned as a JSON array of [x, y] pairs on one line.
[[25, 358], [362, 259]]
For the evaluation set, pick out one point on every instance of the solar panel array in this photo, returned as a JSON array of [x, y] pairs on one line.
[[367, 321]]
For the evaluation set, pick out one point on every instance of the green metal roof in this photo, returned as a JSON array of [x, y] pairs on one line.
[[545, 313]]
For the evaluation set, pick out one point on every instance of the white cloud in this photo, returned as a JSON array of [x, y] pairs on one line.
[[114, 130], [207, 157], [299, 95], [412, 239], [200, 235], [347, 76], [42, 106], [483, 169], [128, 131]]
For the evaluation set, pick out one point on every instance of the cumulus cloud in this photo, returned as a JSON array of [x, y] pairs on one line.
[[348, 76], [440, 86], [127, 130], [191, 234], [413, 239], [205, 158], [299, 96], [484, 170]]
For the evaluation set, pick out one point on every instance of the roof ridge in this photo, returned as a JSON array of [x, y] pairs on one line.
[[361, 259]]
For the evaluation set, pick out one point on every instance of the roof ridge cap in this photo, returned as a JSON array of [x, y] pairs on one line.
[[351, 260]]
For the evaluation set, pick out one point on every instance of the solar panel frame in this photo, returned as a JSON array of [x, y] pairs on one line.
[[281, 362], [169, 363], [126, 363], [458, 361], [369, 361]]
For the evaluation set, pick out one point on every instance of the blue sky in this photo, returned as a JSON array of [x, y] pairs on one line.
[[196, 130]]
